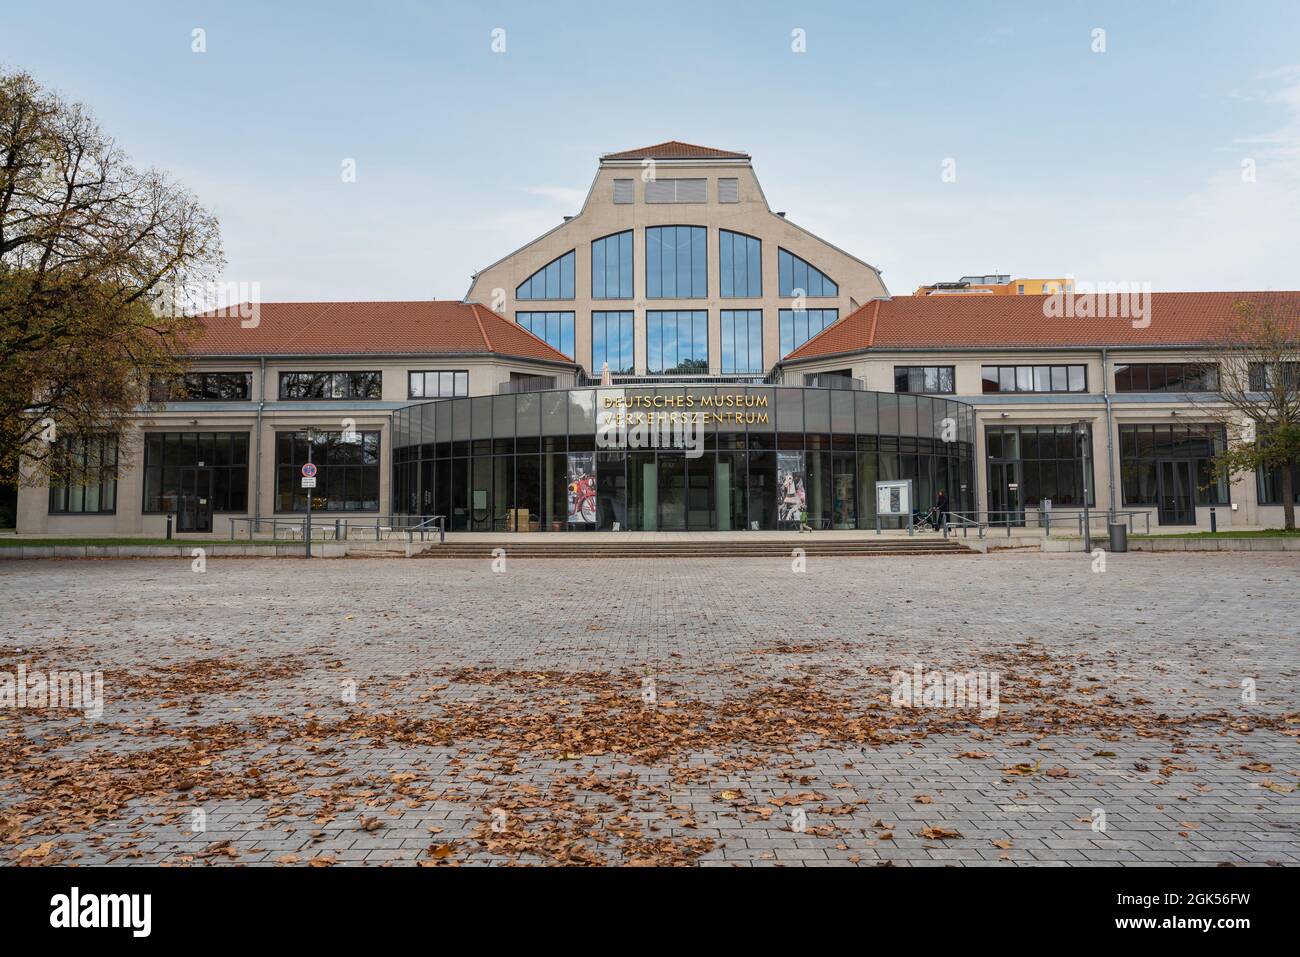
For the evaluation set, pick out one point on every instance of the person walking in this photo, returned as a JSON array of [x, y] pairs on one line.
[[941, 510]]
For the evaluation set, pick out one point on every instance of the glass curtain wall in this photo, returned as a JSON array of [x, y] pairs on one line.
[[738, 458]]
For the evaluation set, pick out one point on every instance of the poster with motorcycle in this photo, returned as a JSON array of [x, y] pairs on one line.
[[582, 488]]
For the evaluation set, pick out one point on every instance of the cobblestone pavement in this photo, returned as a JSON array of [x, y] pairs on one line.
[[714, 712]]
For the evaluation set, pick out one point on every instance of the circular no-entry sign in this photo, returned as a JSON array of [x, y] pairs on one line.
[[308, 470]]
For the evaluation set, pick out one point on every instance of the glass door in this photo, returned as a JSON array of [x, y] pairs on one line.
[[701, 498], [1177, 492], [672, 492], [844, 506], [1004, 494], [194, 504]]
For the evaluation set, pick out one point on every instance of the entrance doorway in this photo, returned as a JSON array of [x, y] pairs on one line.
[[1177, 492], [844, 505], [194, 501], [1005, 506]]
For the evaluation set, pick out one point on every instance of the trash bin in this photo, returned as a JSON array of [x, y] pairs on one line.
[[1118, 536]]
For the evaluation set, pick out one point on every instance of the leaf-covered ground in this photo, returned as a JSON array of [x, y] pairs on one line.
[[655, 713]]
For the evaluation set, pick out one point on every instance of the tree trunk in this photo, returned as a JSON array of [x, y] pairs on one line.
[[1288, 496]]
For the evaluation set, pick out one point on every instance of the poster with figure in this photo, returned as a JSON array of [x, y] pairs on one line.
[[582, 488], [792, 502]]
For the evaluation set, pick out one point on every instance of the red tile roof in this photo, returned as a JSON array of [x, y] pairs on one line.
[[675, 149], [912, 322], [347, 328]]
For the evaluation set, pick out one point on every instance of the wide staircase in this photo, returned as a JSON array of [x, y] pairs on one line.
[[723, 547]]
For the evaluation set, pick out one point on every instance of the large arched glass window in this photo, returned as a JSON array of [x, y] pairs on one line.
[[739, 265], [552, 281], [794, 274], [676, 262], [611, 266]]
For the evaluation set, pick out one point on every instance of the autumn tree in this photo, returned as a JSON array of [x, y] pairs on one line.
[[90, 247], [1258, 354]]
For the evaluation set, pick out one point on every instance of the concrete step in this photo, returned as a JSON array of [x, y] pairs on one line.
[[728, 549]]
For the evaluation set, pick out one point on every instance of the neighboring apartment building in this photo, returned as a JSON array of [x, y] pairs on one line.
[[807, 382], [997, 285]]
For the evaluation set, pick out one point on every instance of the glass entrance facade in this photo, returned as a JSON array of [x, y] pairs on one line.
[[676, 458]]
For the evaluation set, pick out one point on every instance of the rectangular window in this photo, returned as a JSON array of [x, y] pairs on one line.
[[553, 328], [1071, 378], [677, 341], [1141, 447], [740, 268], [1167, 377], [331, 385], [728, 190], [611, 267], [676, 262], [347, 471], [611, 341], [1270, 486], [797, 326], [932, 380], [172, 458], [1263, 376], [438, 384], [624, 191], [93, 459], [677, 191], [742, 341], [202, 387], [1043, 460]]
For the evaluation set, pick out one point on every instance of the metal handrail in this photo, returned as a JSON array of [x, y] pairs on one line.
[[966, 524], [1040, 519], [425, 525], [827, 380]]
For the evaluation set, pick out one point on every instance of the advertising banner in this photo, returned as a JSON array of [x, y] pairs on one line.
[[792, 502], [582, 488]]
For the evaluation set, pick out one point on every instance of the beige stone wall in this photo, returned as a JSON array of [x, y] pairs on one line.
[[486, 374], [600, 216], [876, 370]]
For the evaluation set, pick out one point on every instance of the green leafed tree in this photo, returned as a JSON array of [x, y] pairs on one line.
[[1259, 378], [92, 254]]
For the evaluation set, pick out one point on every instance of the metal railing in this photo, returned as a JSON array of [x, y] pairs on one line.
[[535, 383], [370, 528], [437, 521], [956, 520], [1063, 520], [682, 378], [826, 380], [1075, 518]]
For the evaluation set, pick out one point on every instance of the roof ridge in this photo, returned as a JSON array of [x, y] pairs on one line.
[[487, 340], [875, 316]]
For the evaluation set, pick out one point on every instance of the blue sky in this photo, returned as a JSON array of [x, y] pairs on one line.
[[1122, 165]]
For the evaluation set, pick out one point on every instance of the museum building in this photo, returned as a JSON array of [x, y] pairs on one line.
[[675, 356]]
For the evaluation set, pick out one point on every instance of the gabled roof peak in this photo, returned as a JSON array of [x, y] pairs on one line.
[[675, 149]]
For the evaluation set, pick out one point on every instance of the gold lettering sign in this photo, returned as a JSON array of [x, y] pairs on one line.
[[730, 408]]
